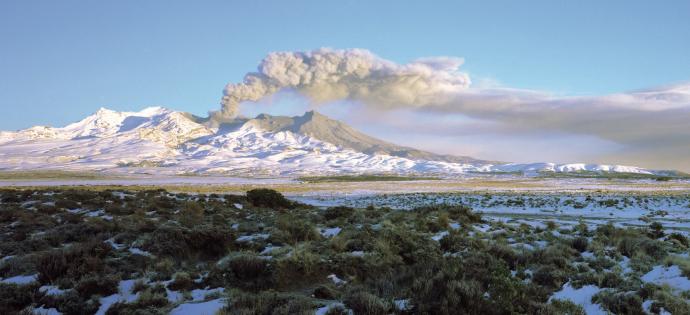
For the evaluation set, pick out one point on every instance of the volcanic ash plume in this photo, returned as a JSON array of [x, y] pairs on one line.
[[354, 74]]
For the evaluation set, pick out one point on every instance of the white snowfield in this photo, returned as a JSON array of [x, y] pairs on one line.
[[161, 141]]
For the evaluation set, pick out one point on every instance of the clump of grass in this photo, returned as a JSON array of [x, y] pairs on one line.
[[333, 213], [266, 302], [362, 302], [14, 298], [301, 266], [268, 198], [182, 281], [246, 270], [292, 229]]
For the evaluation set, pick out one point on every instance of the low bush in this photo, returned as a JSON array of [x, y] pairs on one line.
[[268, 303], [99, 284], [619, 303], [268, 198], [191, 214], [325, 292], [362, 302], [181, 282], [561, 307], [580, 244], [247, 271], [299, 267], [13, 297], [293, 229], [680, 238], [338, 212]]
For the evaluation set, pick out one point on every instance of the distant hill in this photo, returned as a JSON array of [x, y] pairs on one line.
[[161, 141]]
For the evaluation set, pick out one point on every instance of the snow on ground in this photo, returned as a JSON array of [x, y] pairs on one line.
[[51, 290], [402, 304], [113, 244], [438, 236], [203, 308], [124, 295], [671, 276], [582, 296], [137, 251], [200, 294], [647, 307], [45, 311], [330, 232], [269, 249], [20, 280], [537, 208], [253, 237], [324, 310], [336, 280]]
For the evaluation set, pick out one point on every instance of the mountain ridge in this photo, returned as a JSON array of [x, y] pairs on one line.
[[159, 140]]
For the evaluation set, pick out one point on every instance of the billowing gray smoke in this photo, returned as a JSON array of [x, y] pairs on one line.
[[650, 124], [326, 75]]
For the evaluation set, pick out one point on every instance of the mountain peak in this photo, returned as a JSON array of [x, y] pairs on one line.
[[308, 144]]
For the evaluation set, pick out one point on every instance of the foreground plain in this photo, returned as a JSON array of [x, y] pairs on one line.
[[119, 251]]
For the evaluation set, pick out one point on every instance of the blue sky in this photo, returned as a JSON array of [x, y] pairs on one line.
[[61, 60]]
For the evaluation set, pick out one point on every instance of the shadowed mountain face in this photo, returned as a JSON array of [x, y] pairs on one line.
[[335, 132]]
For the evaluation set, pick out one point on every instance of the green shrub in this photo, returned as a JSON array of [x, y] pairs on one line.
[[656, 230], [292, 229], [149, 302], [207, 241], [14, 297], [301, 266], [191, 214], [52, 266], [338, 212], [97, 284], [73, 262], [66, 204], [561, 307], [550, 276], [268, 198], [362, 302], [628, 246], [246, 270], [680, 238], [619, 303], [325, 292], [580, 244], [181, 282], [71, 302], [611, 280], [267, 303]]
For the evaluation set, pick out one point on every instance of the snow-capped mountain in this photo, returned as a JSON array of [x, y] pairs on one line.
[[162, 141]]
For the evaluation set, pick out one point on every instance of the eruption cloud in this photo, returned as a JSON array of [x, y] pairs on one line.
[[325, 75], [650, 125]]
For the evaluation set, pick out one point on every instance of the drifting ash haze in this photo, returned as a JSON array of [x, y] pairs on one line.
[[160, 141], [647, 127]]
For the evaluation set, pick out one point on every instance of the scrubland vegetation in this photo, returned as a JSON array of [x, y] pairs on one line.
[[155, 252]]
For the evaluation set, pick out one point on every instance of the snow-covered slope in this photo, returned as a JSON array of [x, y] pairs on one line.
[[158, 140]]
